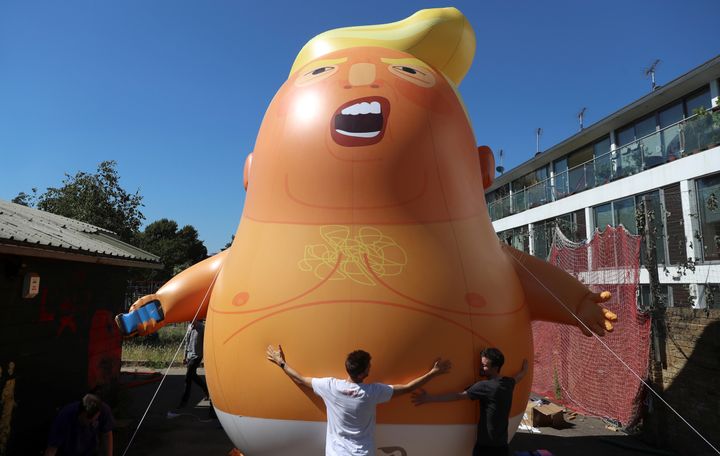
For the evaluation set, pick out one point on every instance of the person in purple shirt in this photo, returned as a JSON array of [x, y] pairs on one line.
[[495, 397], [82, 428]]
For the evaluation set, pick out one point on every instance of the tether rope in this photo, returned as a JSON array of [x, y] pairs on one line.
[[162, 380], [615, 355]]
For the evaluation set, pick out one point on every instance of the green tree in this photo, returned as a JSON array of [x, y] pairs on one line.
[[177, 248], [26, 199], [97, 199]]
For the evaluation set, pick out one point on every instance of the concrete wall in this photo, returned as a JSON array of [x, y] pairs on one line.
[[690, 376]]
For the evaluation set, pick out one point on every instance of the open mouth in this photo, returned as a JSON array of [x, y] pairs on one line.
[[360, 122]]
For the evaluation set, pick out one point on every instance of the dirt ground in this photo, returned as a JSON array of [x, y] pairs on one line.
[[168, 431]]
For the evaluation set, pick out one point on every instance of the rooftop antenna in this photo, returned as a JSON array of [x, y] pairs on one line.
[[500, 169], [538, 133], [651, 72], [581, 117]]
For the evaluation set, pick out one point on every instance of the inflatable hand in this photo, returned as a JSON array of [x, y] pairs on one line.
[[595, 317], [146, 316]]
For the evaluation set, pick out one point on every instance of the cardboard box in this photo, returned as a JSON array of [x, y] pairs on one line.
[[547, 415]]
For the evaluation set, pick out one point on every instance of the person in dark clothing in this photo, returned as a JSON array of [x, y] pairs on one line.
[[193, 358], [495, 397], [83, 428]]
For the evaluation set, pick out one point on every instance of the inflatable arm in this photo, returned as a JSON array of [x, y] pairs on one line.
[[176, 301], [545, 285]]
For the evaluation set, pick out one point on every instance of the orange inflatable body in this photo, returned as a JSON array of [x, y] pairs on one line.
[[365, 226]]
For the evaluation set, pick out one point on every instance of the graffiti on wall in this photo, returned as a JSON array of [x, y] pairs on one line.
[[64, 305]]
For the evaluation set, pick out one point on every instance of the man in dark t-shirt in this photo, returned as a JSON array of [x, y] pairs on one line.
[[83, 428], [495, 397]]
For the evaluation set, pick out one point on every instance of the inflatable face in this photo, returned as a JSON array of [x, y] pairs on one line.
[[365, 135], [365, 227]]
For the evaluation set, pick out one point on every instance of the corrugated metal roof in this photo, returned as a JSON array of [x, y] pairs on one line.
[[35, 228]]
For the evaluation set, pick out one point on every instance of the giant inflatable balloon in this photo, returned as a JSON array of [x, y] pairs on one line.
[[365, 226]]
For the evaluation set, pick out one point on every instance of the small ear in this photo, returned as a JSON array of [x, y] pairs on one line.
[[246, 170], [487, 163]]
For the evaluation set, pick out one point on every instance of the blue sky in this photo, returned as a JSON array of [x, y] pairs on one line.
[[175, 90]]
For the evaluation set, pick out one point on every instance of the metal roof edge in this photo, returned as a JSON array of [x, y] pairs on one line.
[[65, 255]]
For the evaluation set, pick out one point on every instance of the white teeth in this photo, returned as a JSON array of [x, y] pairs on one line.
[[369, 134], [362, 108]]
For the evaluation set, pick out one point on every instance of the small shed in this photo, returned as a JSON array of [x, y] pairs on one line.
[[62, 282]]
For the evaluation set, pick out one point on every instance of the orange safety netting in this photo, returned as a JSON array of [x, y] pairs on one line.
[[579, 371]]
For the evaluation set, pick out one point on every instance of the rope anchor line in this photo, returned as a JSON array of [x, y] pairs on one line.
[[167, 370], [652, 390]]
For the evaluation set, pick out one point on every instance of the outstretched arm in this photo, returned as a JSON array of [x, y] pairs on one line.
[[554, 295], [521, 373], [278, 357], [180, 297], [421, 397], [440, 367]]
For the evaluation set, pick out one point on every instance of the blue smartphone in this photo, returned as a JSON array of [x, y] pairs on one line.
[[129, 322]]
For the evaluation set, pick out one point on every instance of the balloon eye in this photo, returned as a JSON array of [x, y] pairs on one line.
[[317, 71], [414, 75], [316, 75]]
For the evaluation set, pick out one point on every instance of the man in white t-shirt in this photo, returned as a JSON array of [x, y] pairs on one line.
[[351, 403]]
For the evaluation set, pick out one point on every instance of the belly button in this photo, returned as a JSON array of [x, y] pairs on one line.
[[475, 300], [241, 298]]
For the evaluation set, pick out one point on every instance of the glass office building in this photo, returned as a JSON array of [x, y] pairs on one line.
[[662, 150]]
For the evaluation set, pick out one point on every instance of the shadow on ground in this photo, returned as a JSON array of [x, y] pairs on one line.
[[593, 445], [167, 430]]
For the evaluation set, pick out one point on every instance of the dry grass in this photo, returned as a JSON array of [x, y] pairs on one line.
[[157, 350]]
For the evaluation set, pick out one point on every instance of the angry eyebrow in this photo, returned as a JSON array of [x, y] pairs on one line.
[[322, 63], [406, 61]]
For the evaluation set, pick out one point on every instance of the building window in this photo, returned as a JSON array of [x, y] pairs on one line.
[[674, 224], [560, 173], [543, 238], [624, 212], [539, 187], [660, 226], [668, 119], [580, 172], [603, 216], [638, 142], [603, 161], [519, 199], [516, 237], [544, 232], [573, 225], [498, 202], [531, 190], [681, 296], [700, 131], [644, 296], [697, 101], [708, 195]]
